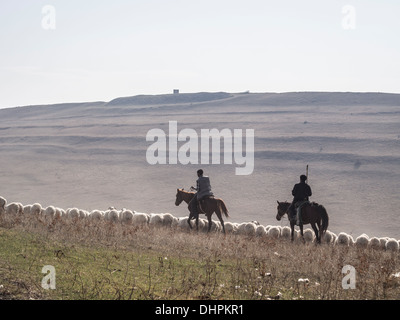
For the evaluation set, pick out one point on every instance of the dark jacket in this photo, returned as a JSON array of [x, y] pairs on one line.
[[301, 191], [203, 187]]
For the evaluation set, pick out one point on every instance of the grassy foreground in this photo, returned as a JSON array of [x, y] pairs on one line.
[[111, 261]]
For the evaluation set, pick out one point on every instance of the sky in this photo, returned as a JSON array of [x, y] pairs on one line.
[[58, 51]]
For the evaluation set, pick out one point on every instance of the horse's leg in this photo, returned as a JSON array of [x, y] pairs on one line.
[[314, 227], [197, 223], [209, 222], [190, 217], [292, 231], [301, 232]]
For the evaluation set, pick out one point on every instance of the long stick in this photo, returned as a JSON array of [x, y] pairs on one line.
[[307, 173]]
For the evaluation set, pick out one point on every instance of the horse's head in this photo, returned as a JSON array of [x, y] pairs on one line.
[[179, 197], [282, 209]]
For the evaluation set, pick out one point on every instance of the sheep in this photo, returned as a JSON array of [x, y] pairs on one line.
[[140, 219], [374, 243], [383, 242], [175, 222], [112, 215], [308, 235], [83, 214], [50, 213], [343, 239], [247, 229], [229, 227], [95, 215], [156, 220], [392, 245], [260, 231], [167, 219], [286, 232], [27, 209], [183, 223], [59, 213], [36, 209], [3, 203], [72, 213], [250, 229], [328, 237], [204, 225], [274, 232], [14, 208], [362, 241], [126, 216]]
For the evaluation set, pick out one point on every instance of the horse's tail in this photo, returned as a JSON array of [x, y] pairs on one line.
[[222, 207], [325, 220]]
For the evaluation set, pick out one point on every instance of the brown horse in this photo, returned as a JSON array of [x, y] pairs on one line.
[[312, 213], [209, 206]]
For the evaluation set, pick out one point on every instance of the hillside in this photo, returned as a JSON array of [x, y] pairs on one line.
[[93, 155]]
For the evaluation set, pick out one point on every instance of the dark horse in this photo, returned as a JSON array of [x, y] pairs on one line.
[[209, 206], [311, 213]]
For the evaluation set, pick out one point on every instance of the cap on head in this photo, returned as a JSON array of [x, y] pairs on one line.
[[303, 177]]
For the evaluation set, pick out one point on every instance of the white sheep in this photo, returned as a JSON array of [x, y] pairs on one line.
[[49, 213], [383, 242], [27, 209], [329, 237], [274, 232], [175, 222], [72, 213], [250, 229], [229, 227], [260, 231], [126, 216], [216, 226], [83, 214], [362, 241], [167, 219], [374, 243], [183, 223], [156, 220], [111, 215], [95, 215], [140, 219], [3, 203], [36, 209], [308, 235], [392, 245], [247, 229], [343, 239], [59, 213], [14, 208], [204, 225], [286, 232]]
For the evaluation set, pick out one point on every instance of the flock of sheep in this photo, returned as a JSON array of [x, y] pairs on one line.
[[124, 216]]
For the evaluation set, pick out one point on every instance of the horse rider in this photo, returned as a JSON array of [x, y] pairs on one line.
[[301, 191], [203, 188]]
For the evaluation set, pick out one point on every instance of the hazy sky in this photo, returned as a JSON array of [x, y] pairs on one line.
[[103, 49]]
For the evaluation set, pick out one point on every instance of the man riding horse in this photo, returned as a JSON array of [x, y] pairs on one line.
[[301, 191], [203, 188]]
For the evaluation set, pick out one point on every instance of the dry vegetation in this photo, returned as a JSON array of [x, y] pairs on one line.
[[102, 260]]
